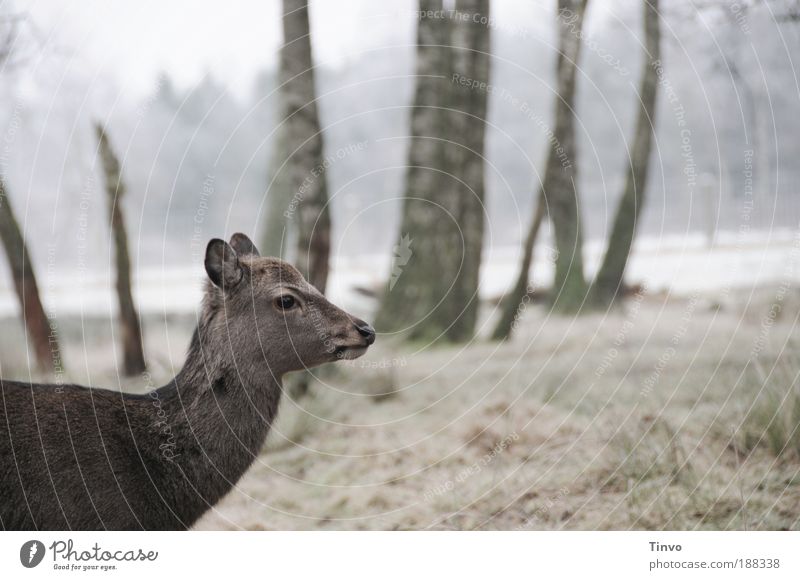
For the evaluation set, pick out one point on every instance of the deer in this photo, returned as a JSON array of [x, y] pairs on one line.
[[78, 458]]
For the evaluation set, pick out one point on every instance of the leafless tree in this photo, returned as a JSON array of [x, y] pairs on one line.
[[132, 348], [471, 39], [610, 277], [277, 236], [511, 304], [561, 173], [42, 335], [433, 289], [305, 167]]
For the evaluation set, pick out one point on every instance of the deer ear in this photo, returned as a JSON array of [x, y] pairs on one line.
[[243, 245], [222, 265]]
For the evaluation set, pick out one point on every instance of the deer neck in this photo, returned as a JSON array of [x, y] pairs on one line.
[[227, 401]]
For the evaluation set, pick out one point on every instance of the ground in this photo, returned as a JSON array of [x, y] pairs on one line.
[[661, 415], [667, 413]]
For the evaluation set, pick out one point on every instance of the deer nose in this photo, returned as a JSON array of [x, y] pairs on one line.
[[366, 331]]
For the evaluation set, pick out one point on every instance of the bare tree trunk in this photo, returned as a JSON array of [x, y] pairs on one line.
[[132, 349], [276, 236], [304, 183], [43, 338], [471, 40], [561, 172], [559, 188], [424, 252], [433, 291], [511, 305], [306, 166], [609, 281]]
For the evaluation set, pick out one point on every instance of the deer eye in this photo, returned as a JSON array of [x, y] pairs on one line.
[[285, 302]]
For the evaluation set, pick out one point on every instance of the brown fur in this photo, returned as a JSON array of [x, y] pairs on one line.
[[84, 459]]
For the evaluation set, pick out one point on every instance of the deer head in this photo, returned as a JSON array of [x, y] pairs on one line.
[[269, 313]]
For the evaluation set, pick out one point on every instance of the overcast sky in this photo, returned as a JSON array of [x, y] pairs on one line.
[[133, 41]]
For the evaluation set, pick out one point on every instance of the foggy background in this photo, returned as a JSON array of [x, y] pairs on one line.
[[191, 93], [672, 402]]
